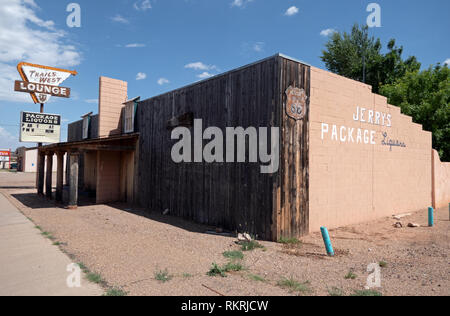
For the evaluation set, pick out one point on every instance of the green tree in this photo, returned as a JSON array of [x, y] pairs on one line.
[[425, 96], [358, 56]]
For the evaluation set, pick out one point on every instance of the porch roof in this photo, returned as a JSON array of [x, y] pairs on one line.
[[113, 143]]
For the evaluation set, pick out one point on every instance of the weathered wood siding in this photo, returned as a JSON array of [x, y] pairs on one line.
[[292, 193], [234, 196]]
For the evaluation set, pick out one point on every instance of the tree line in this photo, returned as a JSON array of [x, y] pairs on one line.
[[422, 94]]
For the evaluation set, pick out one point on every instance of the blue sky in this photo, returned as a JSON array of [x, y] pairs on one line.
[[167, 44]]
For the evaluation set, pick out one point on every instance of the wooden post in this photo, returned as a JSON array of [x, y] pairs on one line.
[[40, 173], [49, 176], [74, 167], [60, 177]]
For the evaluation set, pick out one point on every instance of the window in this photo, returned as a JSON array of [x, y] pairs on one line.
[[86, 123], [129, 110]]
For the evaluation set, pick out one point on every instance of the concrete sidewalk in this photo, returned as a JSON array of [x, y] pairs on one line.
[[29, 264]]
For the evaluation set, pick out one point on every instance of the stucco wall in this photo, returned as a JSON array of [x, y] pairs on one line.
[[441, 182], [355, 179], [112, 95], [108, 176]]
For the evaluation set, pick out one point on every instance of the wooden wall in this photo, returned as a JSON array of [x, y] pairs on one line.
[[232, 196], [292, 193]]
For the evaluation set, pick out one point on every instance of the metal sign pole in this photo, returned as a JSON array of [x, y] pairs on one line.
[[38, 155]]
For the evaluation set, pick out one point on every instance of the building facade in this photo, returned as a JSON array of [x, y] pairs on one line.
[[344, 154]]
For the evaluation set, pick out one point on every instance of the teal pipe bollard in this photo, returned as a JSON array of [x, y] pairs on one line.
[[430, 217], [326, 239]]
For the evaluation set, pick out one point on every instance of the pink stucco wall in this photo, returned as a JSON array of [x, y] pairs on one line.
[[355, 179]]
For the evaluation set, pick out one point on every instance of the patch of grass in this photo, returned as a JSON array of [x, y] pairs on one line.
[[351, 276], [383, 264], [38, 227], [335, 291], [367, 293], [94, 278], [115, 292], [233, 267], [215, 270], [187, 275], [48, 235], [256, 278], [250, 245], [294, 286], [289, 241], [234, 255], [163, 276], [83, 267], [56, 243]]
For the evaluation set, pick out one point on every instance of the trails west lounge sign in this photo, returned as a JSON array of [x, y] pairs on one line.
[[42, 82], [40, 128]]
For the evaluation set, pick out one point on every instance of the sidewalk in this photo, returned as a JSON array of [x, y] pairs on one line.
[[30, 264]]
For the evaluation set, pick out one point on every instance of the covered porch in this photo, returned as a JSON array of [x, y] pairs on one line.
[[105, 167]]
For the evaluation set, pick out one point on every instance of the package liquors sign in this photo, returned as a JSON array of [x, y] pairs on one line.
[[40, 128], [42, 82], [5, 155]]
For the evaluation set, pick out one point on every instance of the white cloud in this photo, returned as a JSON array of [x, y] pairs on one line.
[[205, 75], [120, 19], [240, 3], [7, 140], [91, 101], [135, 45], [163, 81], [141, 76], [26, 37], [200, 66], [259, 47], [328, 32], [292, 11], [447, 62], [142, 5]]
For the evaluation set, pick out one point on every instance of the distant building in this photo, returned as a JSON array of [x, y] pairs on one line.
[[27, 159]]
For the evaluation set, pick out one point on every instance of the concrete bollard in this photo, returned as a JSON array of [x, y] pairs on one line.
[[327, 241], [430, 217]]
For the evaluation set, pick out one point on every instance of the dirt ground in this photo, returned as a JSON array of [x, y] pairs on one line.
[[128, 247]]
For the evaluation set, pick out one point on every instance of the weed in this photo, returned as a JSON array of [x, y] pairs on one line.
[[256, 278], [367, 293], [233, 267], [294, 286], [334, 291], [48, 235], [115, 292], [187, 275], [383, 264], [235, 255], [215, 270], [351, 276], [94, 278], [163, 276], [250, 245]]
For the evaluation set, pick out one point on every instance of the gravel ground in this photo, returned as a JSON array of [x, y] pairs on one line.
[[127, 247]]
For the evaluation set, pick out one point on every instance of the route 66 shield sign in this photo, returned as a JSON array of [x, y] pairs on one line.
[[296, 103]]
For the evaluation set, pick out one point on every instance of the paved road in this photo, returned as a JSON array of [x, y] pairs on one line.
[[29, 264]]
